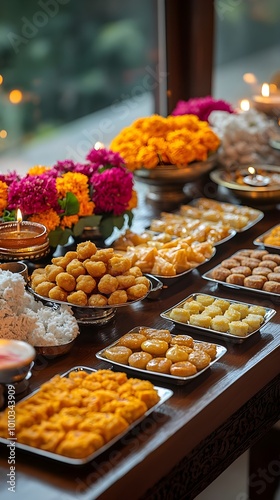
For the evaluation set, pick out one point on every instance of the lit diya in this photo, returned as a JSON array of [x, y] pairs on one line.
[[23, 240]]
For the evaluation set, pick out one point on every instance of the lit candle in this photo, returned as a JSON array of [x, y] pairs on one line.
[[266, 102], [99, 145], [22, 234], [244, 105], [19, 220], [254, 179]]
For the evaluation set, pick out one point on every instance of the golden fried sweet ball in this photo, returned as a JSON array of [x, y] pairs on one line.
[[52, 271], [96, 269], [57, 293], [103, 255], [38, 278], [64, 261], [136, 291], [125, 281], [117, 297], [76, 268], [118, 265], [142, 280], [78, 298], [97, 300], [86, 249], [85, 283], [66, 281], [107, 284], [135, 271], [44, 288]]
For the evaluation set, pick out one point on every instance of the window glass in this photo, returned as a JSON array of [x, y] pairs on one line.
[[247, 47], [64, 62]]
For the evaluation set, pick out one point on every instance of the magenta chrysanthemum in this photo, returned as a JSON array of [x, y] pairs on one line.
[[10, 177], [201, 107], [33, 194], [104, 157], [112, 190], [62, 167]]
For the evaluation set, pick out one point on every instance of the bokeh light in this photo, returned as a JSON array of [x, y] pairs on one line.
[[15, 96], [3, 134]]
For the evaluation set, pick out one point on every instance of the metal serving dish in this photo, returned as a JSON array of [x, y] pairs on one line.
[[260, 240], [258, 214], [215, 333], [273, 296], [163, 393], [100, 315], [161, 377]]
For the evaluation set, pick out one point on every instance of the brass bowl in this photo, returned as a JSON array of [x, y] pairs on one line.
[[166, 182], [255, 195]]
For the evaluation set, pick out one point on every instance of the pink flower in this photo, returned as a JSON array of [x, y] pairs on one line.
[[112, 190], [33, 194], [105, 157], [201, 107]]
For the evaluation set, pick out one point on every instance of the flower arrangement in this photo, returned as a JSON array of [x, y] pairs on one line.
[[201, 107], [70, 196], [155, 140]]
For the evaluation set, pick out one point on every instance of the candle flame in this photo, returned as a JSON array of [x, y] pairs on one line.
[[99, 145], [19, 215], [245, 105], [251, 170], [265, 90]]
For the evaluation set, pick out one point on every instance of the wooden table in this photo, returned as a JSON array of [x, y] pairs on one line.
[[179, 449]]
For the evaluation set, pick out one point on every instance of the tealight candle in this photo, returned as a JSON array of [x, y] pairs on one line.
[[254, 179], [267, 103]]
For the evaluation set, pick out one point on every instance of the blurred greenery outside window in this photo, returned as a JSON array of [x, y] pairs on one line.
[[247, 40], [69, 59], [73, 59]]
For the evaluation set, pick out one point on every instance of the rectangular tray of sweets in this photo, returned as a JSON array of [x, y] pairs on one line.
[[164, 395], [217, 317], [261, 269], [270, 239], [161, 376]]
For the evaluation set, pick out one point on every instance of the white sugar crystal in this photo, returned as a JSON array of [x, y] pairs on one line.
[[24, 318]]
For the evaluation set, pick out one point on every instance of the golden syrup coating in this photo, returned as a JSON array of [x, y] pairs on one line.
[[159, 365], [183, 369], [132, 340], [139, 359]]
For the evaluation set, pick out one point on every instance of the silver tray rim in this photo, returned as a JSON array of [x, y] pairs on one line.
[[259, 214], [221, 350], [164, 395], [264, 293], [259, 240], [270, 312]]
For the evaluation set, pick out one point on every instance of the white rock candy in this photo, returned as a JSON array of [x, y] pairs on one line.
[[24, 318]]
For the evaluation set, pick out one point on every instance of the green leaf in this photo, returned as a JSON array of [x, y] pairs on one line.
[[91, 220], [130, 216], [108, 223], [59, 236], [70, 204]]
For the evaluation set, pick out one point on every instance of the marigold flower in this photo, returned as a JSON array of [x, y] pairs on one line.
[[3, 196], [155, 140], [48, 218], [38, 170]]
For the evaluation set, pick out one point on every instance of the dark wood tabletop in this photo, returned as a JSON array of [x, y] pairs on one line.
[[208, 422]]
